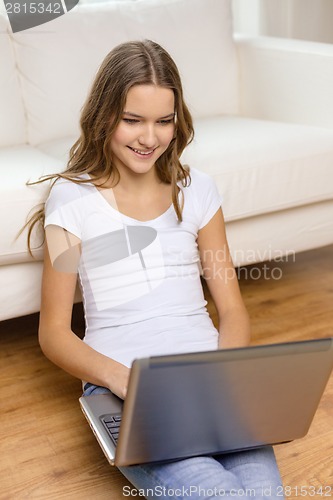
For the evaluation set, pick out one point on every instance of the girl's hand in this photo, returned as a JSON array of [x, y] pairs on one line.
[[119, 377]]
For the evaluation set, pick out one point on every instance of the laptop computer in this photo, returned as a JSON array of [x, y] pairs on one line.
[[206, 403]]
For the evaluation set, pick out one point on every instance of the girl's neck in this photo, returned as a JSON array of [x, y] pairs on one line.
[[142, 197], [143, 201], [138, 185]]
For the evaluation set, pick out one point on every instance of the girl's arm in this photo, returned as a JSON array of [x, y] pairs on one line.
[[61, 345], [221, 279]]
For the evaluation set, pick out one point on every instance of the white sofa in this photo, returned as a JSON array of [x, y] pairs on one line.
[[263, 112]]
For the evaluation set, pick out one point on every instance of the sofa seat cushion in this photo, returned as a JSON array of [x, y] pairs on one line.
[[58, 148], [20, 164], [261, 166], [20, 289]]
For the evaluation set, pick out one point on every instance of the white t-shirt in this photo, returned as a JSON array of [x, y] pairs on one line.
[[140, 281]]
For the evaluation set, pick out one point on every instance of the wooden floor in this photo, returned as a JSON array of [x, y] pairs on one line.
[[47, 449]]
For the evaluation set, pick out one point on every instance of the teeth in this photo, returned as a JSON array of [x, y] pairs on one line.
[[143, 152]]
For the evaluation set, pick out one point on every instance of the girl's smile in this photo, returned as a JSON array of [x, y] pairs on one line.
[[146, 129], [144, 155]]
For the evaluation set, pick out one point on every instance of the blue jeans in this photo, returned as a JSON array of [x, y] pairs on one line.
[[245, 474]]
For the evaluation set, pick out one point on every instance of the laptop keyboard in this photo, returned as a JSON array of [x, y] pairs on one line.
[[112, 424]]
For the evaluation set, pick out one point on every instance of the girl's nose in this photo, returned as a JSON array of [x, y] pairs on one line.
[[148, 137]]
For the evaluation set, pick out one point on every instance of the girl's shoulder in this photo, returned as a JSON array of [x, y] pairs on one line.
[[67, 192], [65, 186], [200, 180], [202, 196]]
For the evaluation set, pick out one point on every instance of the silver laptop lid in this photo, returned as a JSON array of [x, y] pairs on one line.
[[219, 401]]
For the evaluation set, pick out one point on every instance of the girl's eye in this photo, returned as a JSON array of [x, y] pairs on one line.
[[166, 122], [131, 121]]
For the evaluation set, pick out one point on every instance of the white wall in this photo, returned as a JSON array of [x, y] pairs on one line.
[[302, 19], [246, 16]]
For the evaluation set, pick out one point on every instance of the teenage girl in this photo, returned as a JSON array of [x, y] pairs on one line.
[[139, 229]]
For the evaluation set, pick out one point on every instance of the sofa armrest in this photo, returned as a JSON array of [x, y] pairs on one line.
[[286, 80]]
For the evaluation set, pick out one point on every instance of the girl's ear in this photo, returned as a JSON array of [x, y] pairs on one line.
[[175, 132], [176, 119]]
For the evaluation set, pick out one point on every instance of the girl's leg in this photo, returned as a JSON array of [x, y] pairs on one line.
[[248, 474], [91, 389], [257, 470], [194, 478]]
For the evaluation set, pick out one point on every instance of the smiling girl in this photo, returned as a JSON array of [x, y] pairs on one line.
[[136, 225]]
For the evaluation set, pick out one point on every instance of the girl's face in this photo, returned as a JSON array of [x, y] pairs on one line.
[[146, 128]]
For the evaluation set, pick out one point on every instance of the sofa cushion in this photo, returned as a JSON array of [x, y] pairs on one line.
[[20, 289], [279, 236], [20, 164], [58, 60], [58, 148], [12, 120], [261, 166]]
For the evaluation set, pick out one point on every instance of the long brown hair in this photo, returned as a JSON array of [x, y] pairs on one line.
[[128, 64]]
